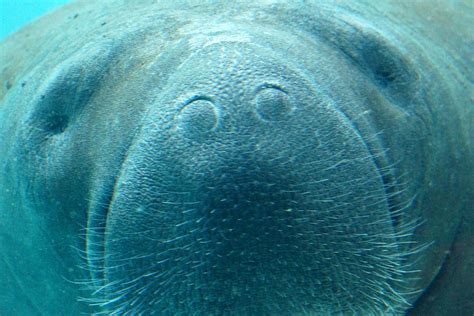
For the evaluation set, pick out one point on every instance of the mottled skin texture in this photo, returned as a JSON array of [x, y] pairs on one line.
[[271, 158]]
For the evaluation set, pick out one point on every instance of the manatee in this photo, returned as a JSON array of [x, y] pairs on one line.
[[238, 158]]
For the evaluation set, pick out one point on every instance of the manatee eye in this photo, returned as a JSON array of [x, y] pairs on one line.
[[272, 104], [198, 117], [382, 60], [56, 105], [56, 123], [386, 66], [66, 91]]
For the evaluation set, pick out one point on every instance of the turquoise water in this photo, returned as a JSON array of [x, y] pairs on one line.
[[16, 13]]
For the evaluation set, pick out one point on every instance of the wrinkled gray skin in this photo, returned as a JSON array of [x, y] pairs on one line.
[[246, 159]]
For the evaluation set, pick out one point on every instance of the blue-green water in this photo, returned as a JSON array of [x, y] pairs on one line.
[[16, 13]]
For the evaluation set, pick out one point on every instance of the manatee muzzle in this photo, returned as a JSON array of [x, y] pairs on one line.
[[247, 191]]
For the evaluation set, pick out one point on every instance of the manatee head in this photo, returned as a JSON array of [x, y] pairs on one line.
[[240, 158], [247, 190]]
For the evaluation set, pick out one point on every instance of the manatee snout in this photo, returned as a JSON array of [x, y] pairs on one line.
[[248, 191]]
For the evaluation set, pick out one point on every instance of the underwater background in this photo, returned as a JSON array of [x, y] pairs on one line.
[[16, 13]]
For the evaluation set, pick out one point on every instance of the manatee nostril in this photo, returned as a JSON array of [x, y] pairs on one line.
[[272, 104], [197, 118]]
